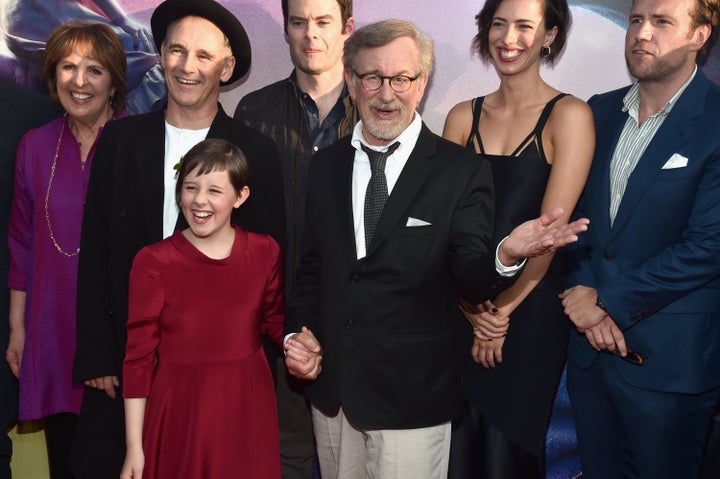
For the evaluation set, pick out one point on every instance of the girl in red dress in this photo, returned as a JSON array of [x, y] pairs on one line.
[[199, 398]]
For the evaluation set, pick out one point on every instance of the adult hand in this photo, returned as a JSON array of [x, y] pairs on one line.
[[580, 305], [485, 319], [134, 464], [607, 336], [535, 238], [303, 355], [105, 383], [487, 353], [16, 346]]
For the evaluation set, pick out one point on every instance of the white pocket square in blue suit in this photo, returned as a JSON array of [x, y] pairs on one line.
[[414, 222], [675, 161]]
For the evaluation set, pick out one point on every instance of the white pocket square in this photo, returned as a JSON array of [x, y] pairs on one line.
[[412, 222], [675, 161]]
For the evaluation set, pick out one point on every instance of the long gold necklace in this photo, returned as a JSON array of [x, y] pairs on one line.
[[47, 197]]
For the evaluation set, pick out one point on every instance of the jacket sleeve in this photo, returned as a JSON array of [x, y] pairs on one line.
[[471, 253], [304, 298], [96, 354], [22, 214], [143, 325], [577, 255]]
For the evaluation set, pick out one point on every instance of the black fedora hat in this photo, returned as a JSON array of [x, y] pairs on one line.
[[171, 10]]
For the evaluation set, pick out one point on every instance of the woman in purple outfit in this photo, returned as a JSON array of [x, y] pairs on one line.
[[85, 70]]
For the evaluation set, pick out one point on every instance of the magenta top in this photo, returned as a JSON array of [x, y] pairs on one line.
[[37, 267]]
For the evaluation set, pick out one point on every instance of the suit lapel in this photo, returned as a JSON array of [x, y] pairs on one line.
[[221, 126], [413, 176], [342, 193], [150, 166], [671, 135], [605, 147]]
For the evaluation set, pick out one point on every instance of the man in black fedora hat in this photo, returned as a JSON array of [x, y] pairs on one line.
[[131, 204]]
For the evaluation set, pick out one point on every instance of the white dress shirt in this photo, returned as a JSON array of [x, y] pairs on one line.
[[361, 172]]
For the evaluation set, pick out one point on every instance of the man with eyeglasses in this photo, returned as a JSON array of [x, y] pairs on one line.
[[398, 221]]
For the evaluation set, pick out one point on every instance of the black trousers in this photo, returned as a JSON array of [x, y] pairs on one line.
[[59, 432], [711, 464], [8, 415]]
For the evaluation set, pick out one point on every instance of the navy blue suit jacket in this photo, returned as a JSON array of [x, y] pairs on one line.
[[657, 269]]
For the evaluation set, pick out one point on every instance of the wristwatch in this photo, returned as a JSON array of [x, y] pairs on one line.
[[600, 304]]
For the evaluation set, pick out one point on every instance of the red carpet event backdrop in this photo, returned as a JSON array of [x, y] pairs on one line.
[[592, 62]]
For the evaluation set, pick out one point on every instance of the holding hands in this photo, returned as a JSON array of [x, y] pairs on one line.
[[303, 355], [484, 318], [489, 328]]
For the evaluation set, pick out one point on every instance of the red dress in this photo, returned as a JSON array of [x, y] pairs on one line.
[[194, 351]]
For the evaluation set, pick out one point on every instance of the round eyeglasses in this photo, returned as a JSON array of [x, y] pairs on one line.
[[398, 83]]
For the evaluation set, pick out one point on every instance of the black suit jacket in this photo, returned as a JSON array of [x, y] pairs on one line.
[[124, 211], [387, 322]]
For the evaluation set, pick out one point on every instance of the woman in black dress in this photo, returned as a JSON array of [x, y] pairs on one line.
[[540, 143]]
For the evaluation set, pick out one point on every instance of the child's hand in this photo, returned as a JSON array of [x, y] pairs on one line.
[[303, 355], [134, 464]]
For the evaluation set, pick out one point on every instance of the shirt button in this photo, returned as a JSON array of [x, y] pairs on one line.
[[349, 324], [355, 278], [608, 256], [315, 148]]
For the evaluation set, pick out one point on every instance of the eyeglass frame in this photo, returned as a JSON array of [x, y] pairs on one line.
[[382, 78]]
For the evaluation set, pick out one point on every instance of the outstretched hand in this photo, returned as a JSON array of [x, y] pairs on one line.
[[536, 238]]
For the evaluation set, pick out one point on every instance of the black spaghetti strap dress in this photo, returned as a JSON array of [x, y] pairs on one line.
[[508, 408]]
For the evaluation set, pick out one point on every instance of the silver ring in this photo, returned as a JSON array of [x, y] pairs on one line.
[[478, 334]]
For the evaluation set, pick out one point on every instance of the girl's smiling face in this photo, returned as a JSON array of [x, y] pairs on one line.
[[207, 201]]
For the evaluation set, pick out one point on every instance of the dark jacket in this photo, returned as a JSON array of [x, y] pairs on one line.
[[387, 322], [123, 213], [277, 112]]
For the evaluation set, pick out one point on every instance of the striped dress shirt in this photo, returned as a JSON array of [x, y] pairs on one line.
[[633, 141]]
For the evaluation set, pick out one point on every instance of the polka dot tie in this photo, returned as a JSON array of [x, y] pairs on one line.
[[377, 190]]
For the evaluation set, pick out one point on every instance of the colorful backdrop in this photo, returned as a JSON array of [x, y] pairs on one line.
[[592, 62]]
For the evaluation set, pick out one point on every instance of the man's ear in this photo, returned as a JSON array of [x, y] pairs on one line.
[[700, 36], [349, 27], [350, 84], [228, 68]]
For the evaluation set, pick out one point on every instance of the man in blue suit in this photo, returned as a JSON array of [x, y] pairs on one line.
[[644, 367]]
